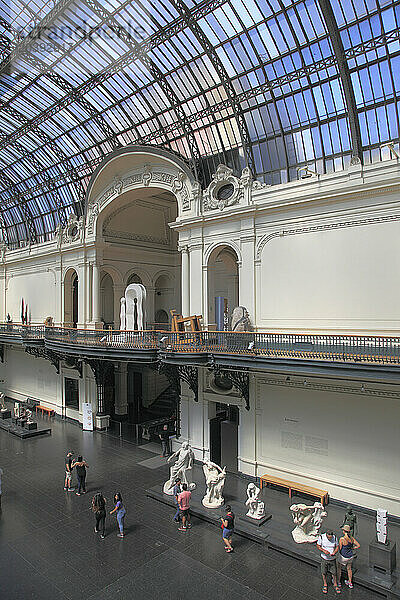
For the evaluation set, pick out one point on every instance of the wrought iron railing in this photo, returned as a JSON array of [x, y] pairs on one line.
[[352, 348], [24, 331], [103, 338], [303, 346]]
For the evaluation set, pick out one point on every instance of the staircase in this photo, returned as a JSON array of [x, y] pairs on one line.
[[163, 406]]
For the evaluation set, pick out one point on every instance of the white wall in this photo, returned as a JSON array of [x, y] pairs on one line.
[[26, 376], [346, 443], [37, 288], [341, 279]]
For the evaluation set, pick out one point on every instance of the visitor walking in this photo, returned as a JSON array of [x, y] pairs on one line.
[[68, 472], [80, 465], [99, 509], [228, 525], [164, 437], [121, 512], [347, 545], [328, 545], [184, 507]]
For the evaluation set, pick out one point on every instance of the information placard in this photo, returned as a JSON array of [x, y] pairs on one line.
[[87, 416]]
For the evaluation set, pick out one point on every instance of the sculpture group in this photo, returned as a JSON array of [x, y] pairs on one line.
[[308, 520], [181, 467]]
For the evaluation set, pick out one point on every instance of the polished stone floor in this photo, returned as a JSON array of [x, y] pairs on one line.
[[49, 551]]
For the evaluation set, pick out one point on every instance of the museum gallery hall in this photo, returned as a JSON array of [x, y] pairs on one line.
[[199, 299]]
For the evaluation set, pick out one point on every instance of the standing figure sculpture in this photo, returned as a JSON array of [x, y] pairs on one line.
[[350, 519], [215, 481], [255, 506], [181, 468], [308, 520], [122, 315], [2, 403]]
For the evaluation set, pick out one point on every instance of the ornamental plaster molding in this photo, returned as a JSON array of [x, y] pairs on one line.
[[326, 387], [72, 232], [326, 227], [240, 188], [177, 182], [126, 235]]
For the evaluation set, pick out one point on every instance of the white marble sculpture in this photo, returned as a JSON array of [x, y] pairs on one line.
[[308, 520], [240, 320], [181, 467], [133, 308], [2, 403], [122, 315], [381, 525], [215, 481], [255, 506]]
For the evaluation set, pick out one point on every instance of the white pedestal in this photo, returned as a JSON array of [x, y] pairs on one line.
[[102, 421]]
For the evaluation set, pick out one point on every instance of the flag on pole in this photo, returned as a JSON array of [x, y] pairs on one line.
[[26, 314], [22, 311]]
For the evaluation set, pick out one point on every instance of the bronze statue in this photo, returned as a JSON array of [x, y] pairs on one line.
[[350, 519]]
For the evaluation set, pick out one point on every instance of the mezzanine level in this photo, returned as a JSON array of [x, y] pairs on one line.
[[201, 346]]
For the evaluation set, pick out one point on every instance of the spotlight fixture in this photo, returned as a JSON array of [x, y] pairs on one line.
[[362, 387], [306, 172], [305, 382], [288, 378], [392, 149]]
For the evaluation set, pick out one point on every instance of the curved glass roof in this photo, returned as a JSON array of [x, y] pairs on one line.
[[273, 84]]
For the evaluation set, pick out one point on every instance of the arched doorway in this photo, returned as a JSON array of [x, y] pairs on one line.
[[164, 299], [71, 283], [222, 286], [134, 278], [107, 300]]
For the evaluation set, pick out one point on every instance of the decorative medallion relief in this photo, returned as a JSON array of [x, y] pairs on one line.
[[72, 232], [226, 189]]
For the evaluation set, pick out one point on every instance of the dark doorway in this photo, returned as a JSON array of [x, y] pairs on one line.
[[134, 395], [71, 387], [224, 436], [75, 301]]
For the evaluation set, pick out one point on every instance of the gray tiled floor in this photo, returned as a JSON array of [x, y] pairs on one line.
[[48, 550]]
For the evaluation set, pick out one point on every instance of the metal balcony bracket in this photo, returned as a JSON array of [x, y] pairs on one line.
[[40, 352], [240, 379]]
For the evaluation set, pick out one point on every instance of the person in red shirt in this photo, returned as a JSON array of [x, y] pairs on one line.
[[184, 505]]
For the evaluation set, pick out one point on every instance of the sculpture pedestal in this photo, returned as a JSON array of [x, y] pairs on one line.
[[382, 557], [31, 426], [214, 504], [5, 414], [102, 421], [256, 522]]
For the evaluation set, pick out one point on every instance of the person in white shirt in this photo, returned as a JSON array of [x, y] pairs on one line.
[[328, 545]]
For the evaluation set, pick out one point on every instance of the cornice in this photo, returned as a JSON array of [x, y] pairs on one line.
[[328, 387], [323, 227]]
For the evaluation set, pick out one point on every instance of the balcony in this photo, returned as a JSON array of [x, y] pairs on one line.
[[251, 349]]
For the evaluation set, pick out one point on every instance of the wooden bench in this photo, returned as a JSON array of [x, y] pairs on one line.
[[292, 486], [44, 409]]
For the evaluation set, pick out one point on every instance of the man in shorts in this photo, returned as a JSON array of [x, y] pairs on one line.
[[184, 506], [328, 545], [68, 472]]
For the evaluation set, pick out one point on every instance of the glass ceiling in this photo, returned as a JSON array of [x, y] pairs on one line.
[[273, 84]]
